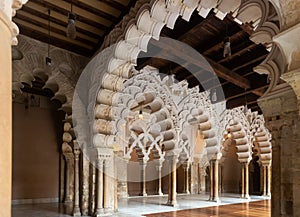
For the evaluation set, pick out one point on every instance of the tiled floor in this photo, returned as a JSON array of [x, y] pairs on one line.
[[132, 207]]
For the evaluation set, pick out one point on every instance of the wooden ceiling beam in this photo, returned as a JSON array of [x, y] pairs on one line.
[[53, 29], [93, 10], [261, 58], [229, 75], [65, 12], [221, 44], [54, 41], [220, 70], [239, 101], [36, 13], [236, 54], [114, 4], [258, 90]]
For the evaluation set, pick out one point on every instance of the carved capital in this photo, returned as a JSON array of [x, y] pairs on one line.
[[289, 43], [293, 79]]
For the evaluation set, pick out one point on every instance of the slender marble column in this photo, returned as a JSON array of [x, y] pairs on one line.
[[143, 165], [99, 202], [69, 172], [108, 185], [85, 197], [172, 201], [76, 209], [92, 189], [159, 178], [245, 180], [266, 180], [214, 180], [269, 169], [202, 180], [186, 178], [62, 177]]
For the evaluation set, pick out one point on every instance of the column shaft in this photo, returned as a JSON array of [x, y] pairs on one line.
[[108, 185], [269, 181], [186, 180], [99, 183], [172, 201], [265, 181], [214, 180], [245, 180], [76, 209], [159, 180], [143, 178]]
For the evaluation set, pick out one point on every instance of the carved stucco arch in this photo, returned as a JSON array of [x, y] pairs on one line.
[[236, 123], [60, 77], [116, 67], [248, 130], [145, 89], [262, 140]]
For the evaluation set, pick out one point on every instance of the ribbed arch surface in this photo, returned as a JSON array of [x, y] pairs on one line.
[[149, 23], [248, 130], [236, 125]]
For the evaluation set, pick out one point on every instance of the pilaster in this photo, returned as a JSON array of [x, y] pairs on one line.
[[281, 115], [8, 34]]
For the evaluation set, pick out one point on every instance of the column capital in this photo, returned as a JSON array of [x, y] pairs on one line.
[[293, 79]]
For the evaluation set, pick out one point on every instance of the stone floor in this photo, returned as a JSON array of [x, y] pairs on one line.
[[132, 207]]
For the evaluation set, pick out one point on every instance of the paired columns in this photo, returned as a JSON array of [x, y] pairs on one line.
[[105, 183], [266, 180]]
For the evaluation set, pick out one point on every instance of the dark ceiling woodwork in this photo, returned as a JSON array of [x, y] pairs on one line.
[[96, 18], [236, 76]]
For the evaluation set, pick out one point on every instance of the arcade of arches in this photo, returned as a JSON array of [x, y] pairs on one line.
[[129, 132]]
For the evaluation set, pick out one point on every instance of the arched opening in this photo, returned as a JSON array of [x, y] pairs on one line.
[[231, 169], [37, 139], [255, 176]]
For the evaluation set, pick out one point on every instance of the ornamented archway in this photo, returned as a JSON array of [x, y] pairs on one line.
[[117, 66], [171, 108]]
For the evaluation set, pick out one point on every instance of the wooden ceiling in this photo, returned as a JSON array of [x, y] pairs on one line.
[[94, 20], [239, 82]]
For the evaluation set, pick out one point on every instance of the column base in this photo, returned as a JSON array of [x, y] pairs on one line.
[[143, 194], [212, 199], [246, 197], [99, 212], [266, 195], [68, 201], [123, 195], [187, 192], [76, 211], [172, 203], [160, 194]]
